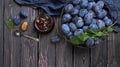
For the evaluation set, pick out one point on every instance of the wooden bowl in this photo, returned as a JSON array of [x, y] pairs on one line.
[[106, 7]]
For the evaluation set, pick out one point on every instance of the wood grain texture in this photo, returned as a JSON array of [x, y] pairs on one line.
[[23, 52], [111, 50], [29, 47], [117, 49], [1, 31], [81, 57], [11, 43], [99, 55], [46, 57], [64, 51]]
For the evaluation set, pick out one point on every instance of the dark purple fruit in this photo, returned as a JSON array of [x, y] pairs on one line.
[[100, 4], [24, 13], [74, 11], [55, 39], [83, 12], [76, 2], [94, 27], [78, 31], [68, 8], [84, 3], [89, 42], [100, 24], [66, 18], [72, 26], [16, 19], [65, 28], [91, 5]]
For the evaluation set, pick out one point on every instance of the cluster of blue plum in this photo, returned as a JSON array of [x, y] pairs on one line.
[[17, 18], [81, 15]]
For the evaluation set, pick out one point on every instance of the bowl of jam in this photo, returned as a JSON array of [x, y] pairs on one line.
[[44, 23]]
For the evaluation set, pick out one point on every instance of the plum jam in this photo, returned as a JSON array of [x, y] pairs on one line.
[[44, 23]]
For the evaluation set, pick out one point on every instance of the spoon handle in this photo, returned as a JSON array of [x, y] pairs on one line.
[[33, 38]]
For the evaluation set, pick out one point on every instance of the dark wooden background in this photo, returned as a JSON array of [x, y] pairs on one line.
[[22, 52]]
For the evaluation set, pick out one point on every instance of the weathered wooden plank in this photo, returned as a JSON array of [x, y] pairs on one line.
[[117, 49], [99, 55], [113, 46], [64, 51], [29, 47], [11, 43], [81, 57], [1, 31], [111, 50], [46, 50]]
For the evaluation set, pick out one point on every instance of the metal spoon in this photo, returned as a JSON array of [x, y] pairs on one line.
[[18, 33]]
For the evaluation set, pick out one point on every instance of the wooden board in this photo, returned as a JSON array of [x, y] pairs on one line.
[[1, 31], [23, 52], [46, 50], [81, 57], [12, 44], [19, 51], [64, 51], [99, 55], [29, 48]]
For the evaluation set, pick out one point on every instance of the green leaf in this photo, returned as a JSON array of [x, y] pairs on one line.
[[90, 33], [109, 29], [75, 40], [99, 34], [83, 37], [10, 24], [95, 37]]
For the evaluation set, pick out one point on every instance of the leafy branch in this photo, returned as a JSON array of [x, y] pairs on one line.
[[79, 39]]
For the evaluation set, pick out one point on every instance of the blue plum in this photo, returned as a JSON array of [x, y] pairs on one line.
[[77, 7], [117, 30], [94, 27], [100, 24], [96, 8], [65, 28], [92, 13], [107, 21], [89, 42], [83, 12], [16, 19], [88, 18], [85, 28], [24, 13], [72, 26], [97, 42], [69, 8], [74, 11], [84, 3], [100, 4], [94, 21], [69, 35], [76, 18], [76, 2], [55, 39], [78, 31], [102, 13], [105, 18], [79, 23], [66, 18], [91, 5]]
